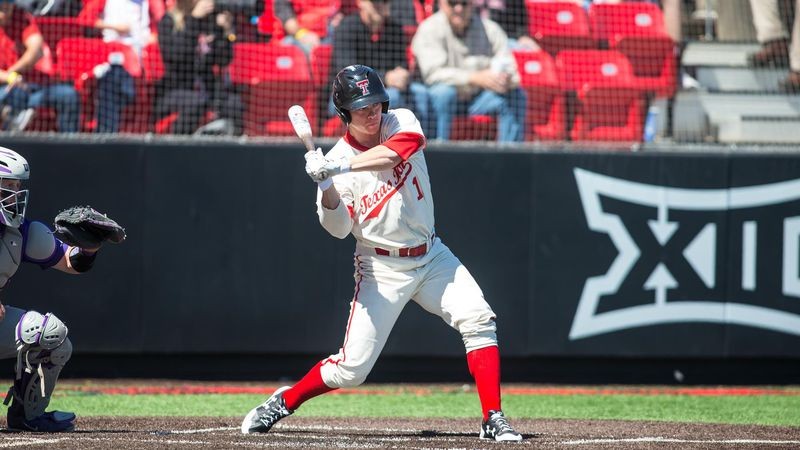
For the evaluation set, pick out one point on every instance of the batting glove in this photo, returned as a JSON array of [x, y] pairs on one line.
[[335, 166], [314, 163]]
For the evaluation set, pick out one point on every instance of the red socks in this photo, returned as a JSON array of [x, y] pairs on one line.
[[484, 365], [309, 387]]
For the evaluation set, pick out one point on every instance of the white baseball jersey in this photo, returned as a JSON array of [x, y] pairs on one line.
[[389, 212], [390, 209]]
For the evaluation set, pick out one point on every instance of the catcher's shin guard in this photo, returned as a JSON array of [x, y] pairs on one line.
[[43, 350], [26, 412]]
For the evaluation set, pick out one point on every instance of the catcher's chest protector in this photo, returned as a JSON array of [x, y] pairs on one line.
[[10, 254]]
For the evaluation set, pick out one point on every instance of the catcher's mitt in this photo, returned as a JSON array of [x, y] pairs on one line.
[[82, 226]]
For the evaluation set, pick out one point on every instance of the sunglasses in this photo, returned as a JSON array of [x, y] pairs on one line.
[[462, 3]]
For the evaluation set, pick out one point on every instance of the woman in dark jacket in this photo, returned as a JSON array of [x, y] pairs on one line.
[[196, 44]]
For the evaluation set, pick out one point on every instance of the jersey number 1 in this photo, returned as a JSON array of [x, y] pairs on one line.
[[419, 191]]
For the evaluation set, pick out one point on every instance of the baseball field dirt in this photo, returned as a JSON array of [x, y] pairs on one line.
[[295, 432]]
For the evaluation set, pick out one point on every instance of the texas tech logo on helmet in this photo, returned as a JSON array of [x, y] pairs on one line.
[[364, 85], [668, 241]]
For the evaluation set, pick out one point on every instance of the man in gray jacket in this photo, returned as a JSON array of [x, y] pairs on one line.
[[465, 61]]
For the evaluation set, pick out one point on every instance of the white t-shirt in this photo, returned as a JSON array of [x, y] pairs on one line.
[[134, 13], [390, 209]]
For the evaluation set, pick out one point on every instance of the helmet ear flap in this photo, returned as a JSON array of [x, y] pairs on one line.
[[343, 114]]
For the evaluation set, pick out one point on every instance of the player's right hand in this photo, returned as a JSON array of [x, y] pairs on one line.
[[2, 312], [315, 162]]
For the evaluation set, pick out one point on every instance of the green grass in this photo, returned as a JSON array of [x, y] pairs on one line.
[[761, 410]]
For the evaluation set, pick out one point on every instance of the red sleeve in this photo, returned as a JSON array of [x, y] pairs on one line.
[[405, 144], [157, 10], [92, 9]]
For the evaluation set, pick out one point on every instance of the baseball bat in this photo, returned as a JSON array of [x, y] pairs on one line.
[[301, 125]]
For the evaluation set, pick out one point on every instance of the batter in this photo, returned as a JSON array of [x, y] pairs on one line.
[[374, 185]]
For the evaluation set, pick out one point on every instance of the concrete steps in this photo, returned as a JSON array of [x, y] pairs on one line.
[[737, 103]]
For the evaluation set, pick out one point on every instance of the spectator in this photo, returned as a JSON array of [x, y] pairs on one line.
[[193, 40], [774, 38], [128, 22], [23, 88], [306, 22], [370, 37], [512, 16], [465, 62]]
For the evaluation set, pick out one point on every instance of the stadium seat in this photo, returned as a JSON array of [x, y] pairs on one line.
[[55, 28], [546, 101], [637, 30], [275, 77], [607, 105], [473, 128], [559, 25], [152, 64], [77, 57]]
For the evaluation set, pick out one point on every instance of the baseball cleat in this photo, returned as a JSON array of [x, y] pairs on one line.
[[49, 422], [261, 418], [498, 428]]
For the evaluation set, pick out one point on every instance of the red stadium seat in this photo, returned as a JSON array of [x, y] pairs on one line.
[[76, 57], [546, 101], [56, 28], [637, 30], [609, 107], [559, 25], [275, 77], [473, 128], [152, 64]]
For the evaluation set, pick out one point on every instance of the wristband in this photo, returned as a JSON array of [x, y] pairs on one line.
[[325, 184], [12, 77], [300, 33], [81, 261]]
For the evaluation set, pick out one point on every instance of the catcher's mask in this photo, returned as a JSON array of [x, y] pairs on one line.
[[356, 87], [14, 170]]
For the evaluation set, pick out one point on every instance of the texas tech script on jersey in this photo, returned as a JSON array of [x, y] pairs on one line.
[[727, 256]]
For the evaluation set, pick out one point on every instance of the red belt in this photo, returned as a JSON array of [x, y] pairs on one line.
[[405, 252]]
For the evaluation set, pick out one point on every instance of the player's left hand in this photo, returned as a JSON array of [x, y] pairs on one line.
[[321, 168], [2, 312], [334, 166]]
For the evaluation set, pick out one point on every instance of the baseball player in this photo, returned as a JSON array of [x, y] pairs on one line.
[[38, 342], [374, 185]]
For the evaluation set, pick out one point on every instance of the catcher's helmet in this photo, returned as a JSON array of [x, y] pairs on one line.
[[356, 87], [13, 202]]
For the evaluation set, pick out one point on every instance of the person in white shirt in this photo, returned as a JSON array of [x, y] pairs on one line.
[[374, 185]]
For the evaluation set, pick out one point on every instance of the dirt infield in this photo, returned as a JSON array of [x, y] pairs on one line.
[[299, 432]]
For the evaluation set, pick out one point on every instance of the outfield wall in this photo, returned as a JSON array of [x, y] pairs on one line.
[[582, 254]]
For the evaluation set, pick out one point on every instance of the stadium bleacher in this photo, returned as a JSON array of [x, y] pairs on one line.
[[600, 69]]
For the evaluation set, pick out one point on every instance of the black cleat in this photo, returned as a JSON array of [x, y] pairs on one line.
[[261, 418], [498, 428]]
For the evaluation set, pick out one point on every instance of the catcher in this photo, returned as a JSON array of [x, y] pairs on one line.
[[37, 341]]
